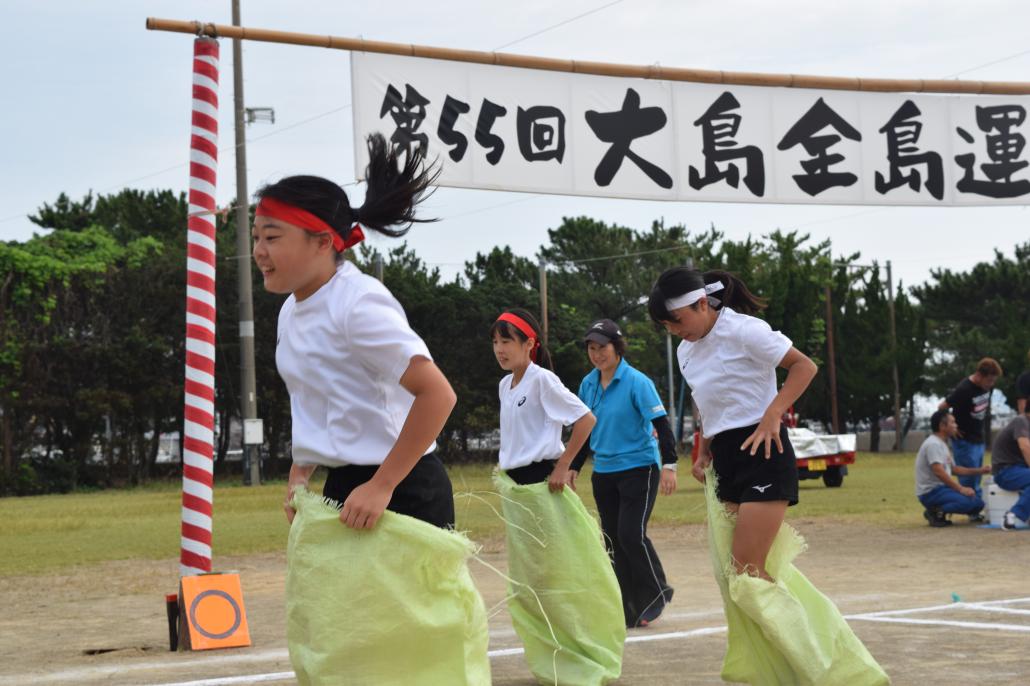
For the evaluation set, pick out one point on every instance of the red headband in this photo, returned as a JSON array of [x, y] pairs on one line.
[[523, 326], [277, 209]]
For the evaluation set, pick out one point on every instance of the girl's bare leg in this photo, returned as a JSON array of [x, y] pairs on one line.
[[757, 526]]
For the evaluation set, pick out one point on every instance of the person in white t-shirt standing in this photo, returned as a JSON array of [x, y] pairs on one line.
[[563, 596], [729, 358], [366, 400], [535, 405]]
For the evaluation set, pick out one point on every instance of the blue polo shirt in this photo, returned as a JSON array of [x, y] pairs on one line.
[[622, 438]]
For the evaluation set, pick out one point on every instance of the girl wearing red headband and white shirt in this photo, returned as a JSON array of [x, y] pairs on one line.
[[366, 399], [535, 405], [563, 596]]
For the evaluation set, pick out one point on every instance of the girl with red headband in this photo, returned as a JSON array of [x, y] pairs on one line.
[[366, 399], [366, 402], [535, 405], [563, 597]]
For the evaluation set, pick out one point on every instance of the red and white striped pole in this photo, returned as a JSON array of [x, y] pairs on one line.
[[199, 424]]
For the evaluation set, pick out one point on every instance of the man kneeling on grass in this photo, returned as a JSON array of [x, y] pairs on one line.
[[939, 493]]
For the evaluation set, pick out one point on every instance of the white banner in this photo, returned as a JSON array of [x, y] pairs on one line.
[[512, 129]]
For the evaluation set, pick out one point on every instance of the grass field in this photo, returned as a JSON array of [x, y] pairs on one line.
[[46, 534]]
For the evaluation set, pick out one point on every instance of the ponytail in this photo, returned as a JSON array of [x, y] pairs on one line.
[[508, 330], [393, 191], [735, 293], [723, 289]]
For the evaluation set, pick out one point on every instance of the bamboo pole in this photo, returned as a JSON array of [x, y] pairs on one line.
[[652, 71]]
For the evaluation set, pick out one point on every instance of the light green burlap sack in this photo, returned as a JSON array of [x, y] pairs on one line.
[[394, 606], [564, 599], [784, 633]]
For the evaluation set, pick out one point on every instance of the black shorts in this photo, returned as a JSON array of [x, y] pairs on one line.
[[425, 493], [746, 478], [532, 473]]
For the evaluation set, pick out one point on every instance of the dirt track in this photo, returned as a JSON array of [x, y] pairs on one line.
[[50, 623]]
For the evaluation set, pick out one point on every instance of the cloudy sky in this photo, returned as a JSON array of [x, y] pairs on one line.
[[97, 102]]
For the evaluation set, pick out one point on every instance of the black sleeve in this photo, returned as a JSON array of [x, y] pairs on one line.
[[1023, 385], [666, 441], [581, 457]]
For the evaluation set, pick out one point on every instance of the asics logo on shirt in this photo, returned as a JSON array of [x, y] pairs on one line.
[[761, 489], [522, 401]]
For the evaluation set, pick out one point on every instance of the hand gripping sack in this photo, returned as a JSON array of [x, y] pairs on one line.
[[785, 633], [394, 605], [564, 599]]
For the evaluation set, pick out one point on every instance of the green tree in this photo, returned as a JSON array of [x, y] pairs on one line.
[[979, 313], [53, 333]]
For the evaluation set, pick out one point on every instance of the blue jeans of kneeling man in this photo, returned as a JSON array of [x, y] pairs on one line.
[[951, 501], [1017, 478]]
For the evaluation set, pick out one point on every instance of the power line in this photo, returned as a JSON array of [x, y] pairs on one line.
[[519, 40], [683, 246], [988, 64], [554, 26], [495, 206], [302, 122], [224, 149]]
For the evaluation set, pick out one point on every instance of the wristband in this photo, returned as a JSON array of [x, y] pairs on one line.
[[671, 466]]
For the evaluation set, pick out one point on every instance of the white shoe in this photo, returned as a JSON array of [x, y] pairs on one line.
[[1009, 522]]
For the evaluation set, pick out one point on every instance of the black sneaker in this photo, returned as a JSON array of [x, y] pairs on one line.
[[936, 518], [655, 610], [977, 518], [650, 615], [1009, 522]]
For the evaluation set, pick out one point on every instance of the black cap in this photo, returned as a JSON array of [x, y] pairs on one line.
[[603, 331]]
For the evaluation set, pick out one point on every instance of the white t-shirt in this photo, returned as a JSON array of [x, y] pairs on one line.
[[342, 352], [732, 370], [532, 416]]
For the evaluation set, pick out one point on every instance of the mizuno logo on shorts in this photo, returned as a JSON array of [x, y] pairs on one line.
[[761, 489]]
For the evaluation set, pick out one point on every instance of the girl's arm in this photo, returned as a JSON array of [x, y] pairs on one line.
[[704, 457], [560, 475], [800, 372], [300, 474], [434, 400]]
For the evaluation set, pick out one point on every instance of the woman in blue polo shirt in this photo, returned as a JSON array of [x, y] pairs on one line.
[[628, 471]]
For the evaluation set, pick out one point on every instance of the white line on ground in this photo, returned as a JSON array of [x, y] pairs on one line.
[[887, 616], [505, 652], [945, 622], [1006, 601], [906, 611], [993, 608], [243, 679], [71, 676]]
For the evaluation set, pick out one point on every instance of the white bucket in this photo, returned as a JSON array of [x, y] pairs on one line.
[[999, 501]]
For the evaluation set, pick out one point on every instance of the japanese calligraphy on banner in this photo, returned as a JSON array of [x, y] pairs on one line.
[[513, 129]]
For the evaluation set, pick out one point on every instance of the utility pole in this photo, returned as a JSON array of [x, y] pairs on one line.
[[672, 380], [689, 264], [894, 360], [252, 426], [543, 299], [377, 267], [831, 362], [894, 345]]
